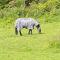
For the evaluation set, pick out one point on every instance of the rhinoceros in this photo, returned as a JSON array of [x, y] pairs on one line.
[[27, 23]]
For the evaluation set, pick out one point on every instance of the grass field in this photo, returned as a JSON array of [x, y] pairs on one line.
[[45, 46]]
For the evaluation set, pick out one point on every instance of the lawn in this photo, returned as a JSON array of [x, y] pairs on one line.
[[45, 46]]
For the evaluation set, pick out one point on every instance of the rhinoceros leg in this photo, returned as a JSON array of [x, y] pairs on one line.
[[30, 31], [16, 32], [20, 33]]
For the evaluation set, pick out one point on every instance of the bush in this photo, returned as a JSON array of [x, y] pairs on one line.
[[15, 9]]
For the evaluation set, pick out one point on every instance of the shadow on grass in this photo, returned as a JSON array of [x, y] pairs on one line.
[[27, 35]]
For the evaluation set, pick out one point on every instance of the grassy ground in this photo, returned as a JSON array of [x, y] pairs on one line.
[[45, 46]]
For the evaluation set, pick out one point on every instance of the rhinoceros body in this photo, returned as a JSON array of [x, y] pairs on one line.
[[28, 23]]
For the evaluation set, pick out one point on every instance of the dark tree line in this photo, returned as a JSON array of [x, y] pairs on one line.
[[27, 2]]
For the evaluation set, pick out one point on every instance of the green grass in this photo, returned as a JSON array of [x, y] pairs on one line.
[[45, 46]]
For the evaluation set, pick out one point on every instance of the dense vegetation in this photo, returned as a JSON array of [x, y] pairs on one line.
[[12, 9]]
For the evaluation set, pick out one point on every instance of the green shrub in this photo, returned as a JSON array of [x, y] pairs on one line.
[[45, 9]]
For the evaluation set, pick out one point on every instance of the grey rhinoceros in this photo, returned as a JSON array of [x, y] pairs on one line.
[[27, 23]]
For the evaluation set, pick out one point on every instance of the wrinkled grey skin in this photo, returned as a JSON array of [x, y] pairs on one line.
[[27, 23]]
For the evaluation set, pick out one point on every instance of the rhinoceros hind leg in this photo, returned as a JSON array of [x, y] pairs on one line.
[[30, 31]]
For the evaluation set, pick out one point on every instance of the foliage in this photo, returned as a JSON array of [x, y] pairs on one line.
[[16, 8]]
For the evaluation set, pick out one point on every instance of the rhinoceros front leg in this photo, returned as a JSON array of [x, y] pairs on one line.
[[30, 31], [20, 32], [16, 31]]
